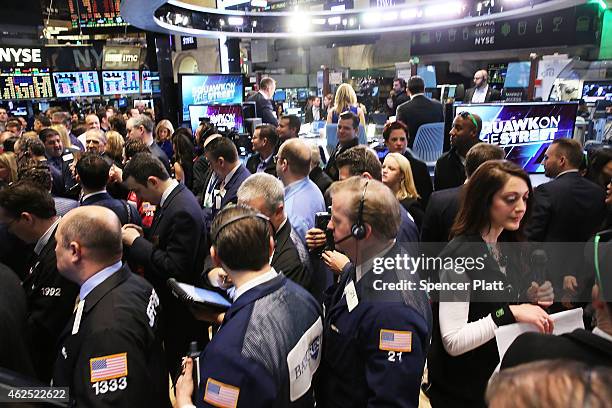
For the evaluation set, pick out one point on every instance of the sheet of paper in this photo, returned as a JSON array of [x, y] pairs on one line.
[[565, 322]]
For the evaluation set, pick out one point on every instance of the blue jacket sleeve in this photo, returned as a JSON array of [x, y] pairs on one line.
[[394, 367]]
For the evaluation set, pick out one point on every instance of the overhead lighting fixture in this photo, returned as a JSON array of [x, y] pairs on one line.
[[319, 21], [298, 25], [254, 23], [409, 14], [334, 20], [371, 18], [222, 22], [259, 3], [390, 16], [444, 9], [235, 21], [351, 22]]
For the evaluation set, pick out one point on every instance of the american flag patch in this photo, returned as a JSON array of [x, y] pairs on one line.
[[107, 367], [221, 395], [393, 340]]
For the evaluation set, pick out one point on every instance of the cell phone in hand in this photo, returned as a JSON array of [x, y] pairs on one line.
[[321, 221]]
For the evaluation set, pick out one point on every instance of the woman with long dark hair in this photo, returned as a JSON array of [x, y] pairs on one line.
[[183, 156], [488, 229]]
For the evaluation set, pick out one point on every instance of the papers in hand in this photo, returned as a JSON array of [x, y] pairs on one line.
[[565, 322], [198, 296]]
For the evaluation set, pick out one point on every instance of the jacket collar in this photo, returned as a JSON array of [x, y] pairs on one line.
[[96, 197], [254, 294], [103, 288]]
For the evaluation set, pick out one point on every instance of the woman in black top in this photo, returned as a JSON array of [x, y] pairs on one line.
[[183, 156], [494, 208], [397, 175]]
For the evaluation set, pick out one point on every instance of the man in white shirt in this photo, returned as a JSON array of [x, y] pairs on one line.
[[481, 92]]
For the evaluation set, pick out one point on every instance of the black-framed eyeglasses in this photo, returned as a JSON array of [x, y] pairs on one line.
[[466, 114]]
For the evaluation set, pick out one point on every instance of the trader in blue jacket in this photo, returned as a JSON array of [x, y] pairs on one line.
[[269, 345], [375, 341]]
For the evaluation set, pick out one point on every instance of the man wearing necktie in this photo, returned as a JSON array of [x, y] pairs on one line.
[[172, 248], [28, 211], [265, 143]]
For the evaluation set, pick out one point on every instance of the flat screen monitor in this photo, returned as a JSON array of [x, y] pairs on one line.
[[524, 130], [428, 73], [25, 83], [302, 94], [96, 13], [82, 83], [593, 91], [199, 89], [452, 89], [122, 103], [517, 75], [150, 82], [280, 95], [228, 116], [120, 82]]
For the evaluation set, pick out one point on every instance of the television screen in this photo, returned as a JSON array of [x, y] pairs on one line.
[[25, 83], [428, 73], [524, 130], [280, 95], [120, 82], [150, 82], [84, 83], [122, 103], [592, 91], [210, 89], [229, 116], [302, 94], [517, 75]]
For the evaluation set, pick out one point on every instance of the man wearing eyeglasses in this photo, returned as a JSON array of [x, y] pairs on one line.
[[481, 92], [450, 167]]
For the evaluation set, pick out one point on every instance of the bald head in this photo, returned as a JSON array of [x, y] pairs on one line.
[[481, 78], [88, 240], [297, 155]]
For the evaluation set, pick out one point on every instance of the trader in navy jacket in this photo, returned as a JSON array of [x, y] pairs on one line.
[[263, 101], [269, 345], [374, 342]]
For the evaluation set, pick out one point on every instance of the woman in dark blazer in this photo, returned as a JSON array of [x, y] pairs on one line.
[[488, 229]]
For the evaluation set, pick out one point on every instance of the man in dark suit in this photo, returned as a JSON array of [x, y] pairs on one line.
[[141, 127], [111, 349], [313, 111], [348, 125], [263, 101], [228, 175], [92, 172], [450, 170], [481, 92], [29, 213], [396, 139], [592, 348], [60, 161], [266, 194], [288, 128], [400, 95], [172, 248], [419, 110], [443, 205], [265, 143], [569, 208]]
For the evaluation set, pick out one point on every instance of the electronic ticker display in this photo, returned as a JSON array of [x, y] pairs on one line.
[[83, 83], [96, 13], [25, 83], [120, 82]]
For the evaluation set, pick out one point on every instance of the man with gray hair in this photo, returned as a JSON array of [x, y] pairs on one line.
[[303, 199], [266, 194], [141, 127], [95, 141]]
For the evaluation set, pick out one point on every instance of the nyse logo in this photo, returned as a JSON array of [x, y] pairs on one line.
[[20, 56]]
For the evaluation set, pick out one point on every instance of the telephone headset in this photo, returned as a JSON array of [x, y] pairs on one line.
[[238, 218]]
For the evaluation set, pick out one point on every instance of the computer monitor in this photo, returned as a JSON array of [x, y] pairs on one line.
[[428, 73], [593, 91], [517, 75], [228, 116], [302, 94], [280, 95], [25, 84], [524, 130]]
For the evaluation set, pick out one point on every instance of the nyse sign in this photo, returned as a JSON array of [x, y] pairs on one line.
[[20, 56], [575, 26]]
